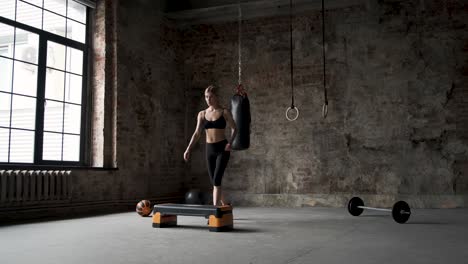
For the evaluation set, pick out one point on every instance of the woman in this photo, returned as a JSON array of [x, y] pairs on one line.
[[214, 120]]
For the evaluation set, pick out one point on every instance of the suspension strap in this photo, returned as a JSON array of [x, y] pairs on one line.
[[291, 53], [292, 107], [239, 43], [325, 105]]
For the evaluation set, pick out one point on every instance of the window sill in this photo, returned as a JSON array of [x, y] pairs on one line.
[[51, 167]]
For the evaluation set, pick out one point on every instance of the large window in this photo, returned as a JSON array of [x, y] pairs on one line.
[[43, 65]]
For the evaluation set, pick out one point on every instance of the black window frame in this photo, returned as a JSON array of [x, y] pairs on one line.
[[44, 37]]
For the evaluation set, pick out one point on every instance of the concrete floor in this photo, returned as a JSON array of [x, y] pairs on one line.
[[262, 235]]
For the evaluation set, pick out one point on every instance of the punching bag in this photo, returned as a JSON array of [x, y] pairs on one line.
[[240, 109]]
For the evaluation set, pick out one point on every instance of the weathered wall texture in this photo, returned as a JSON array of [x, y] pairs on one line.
[[398, 107], [138, 119], [397, 123], [149, 109], [150, 105]]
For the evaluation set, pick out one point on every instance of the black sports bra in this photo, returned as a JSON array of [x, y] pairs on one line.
[[219, 123]]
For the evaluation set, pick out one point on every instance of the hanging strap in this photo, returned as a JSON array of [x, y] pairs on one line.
[[241, 91], [292, 107], [239, 43], [325, 105], [291, 53], [240, 88]]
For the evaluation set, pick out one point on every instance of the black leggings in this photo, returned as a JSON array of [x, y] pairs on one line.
[[217, 160]]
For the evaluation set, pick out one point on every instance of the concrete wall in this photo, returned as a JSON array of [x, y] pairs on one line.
[[396, 128], [150, 106], [150, 112]]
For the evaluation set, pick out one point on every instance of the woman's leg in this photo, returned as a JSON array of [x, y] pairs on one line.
[[221, 164], [216, 190], [211, 162], [218, 195], [221, 197]]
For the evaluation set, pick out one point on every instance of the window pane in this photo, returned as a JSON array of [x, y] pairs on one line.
[[57, 6], [7, 34], [54, 23], [55, 55], [26, 46], [72, 119], [76, 11], [5, 74], [71, 148], [29, 15], [73, 88], [76, 31], [74, 60], [23, 113], [34, 2], [53, 116], [52, 148], [55, 81], [7, 9], [5, 102], [25, 79], [4, 138], [22, 146]]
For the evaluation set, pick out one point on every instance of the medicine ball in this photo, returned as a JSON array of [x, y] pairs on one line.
[[143, 208], [193, 197]]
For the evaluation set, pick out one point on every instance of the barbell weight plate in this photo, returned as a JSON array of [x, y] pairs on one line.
[[353, 204], [401, 212]]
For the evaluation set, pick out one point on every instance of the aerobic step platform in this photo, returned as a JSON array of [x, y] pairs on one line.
[[220, 217]]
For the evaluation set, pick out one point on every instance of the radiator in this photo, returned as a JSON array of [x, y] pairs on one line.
[[34, 185]]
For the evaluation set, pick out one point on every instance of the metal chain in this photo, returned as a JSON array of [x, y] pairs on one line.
[[239, 42]]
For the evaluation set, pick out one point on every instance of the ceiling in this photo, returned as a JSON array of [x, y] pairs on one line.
[[180, 5], [188, 12]]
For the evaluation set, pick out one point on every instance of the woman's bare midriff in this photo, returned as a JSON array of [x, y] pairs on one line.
[[214, 135]]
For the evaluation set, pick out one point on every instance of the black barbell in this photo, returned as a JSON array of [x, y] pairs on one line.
[[401, 211]]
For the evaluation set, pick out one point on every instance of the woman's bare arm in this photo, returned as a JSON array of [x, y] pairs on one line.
[[196, 135], [231, 123]]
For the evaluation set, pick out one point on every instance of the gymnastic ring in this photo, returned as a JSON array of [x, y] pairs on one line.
[[325, 110], [289, 109]]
